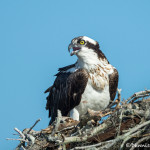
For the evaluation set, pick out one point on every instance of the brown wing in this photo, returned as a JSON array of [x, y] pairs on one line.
[[66, 92], [113, 84], [60, 71]]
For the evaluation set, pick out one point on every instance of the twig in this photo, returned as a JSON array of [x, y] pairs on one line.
[[145, 135], [67, 128], [119, 94], [19, 145], [33, 126], [90, 146], [128, 138], [117, 101], [20, 133], [23, 147], [120, 121], [137, 94], [137, 127], [137, 97], [30, 138], [15, 134], [16, 139], [58, 119]]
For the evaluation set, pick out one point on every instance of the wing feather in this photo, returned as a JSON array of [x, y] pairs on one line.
[[113, 84], [66, 92]]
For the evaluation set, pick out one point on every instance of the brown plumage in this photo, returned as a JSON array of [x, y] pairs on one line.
[[113, 84], [66, 91], [89, 83]]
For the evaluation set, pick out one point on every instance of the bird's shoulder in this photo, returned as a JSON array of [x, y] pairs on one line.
[[69, 74]]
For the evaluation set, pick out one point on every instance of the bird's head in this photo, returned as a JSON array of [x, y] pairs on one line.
[[82, 45]]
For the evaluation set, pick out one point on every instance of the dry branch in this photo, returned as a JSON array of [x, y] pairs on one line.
[[126, 127]]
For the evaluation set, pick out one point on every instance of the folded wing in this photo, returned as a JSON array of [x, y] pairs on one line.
[[66, 91]]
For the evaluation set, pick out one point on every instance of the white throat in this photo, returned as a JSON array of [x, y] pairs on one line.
[[88, 59]]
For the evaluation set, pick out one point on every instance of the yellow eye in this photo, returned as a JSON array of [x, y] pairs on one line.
[[82, 42]]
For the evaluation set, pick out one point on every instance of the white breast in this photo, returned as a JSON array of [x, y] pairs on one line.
[[96, 95], [93, 99]]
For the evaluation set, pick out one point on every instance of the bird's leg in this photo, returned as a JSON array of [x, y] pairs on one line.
[[74, 114]]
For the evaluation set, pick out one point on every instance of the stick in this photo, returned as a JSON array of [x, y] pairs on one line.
[[90, 146], [58, 119], [128, 138], [23, 147], [141, 93], [33, 126], [16, 139], [120, 121], [20, 133]]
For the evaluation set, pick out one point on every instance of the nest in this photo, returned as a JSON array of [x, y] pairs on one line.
[[122, 125]]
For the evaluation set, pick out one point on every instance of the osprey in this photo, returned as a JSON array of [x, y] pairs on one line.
[[91, 82]]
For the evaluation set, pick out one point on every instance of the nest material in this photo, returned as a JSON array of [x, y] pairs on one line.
[[124, 125]]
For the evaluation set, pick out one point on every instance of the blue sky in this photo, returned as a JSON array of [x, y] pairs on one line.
[[34, 36]]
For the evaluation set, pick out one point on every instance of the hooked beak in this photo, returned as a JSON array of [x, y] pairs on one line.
[[75, 49], [70, 47]]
